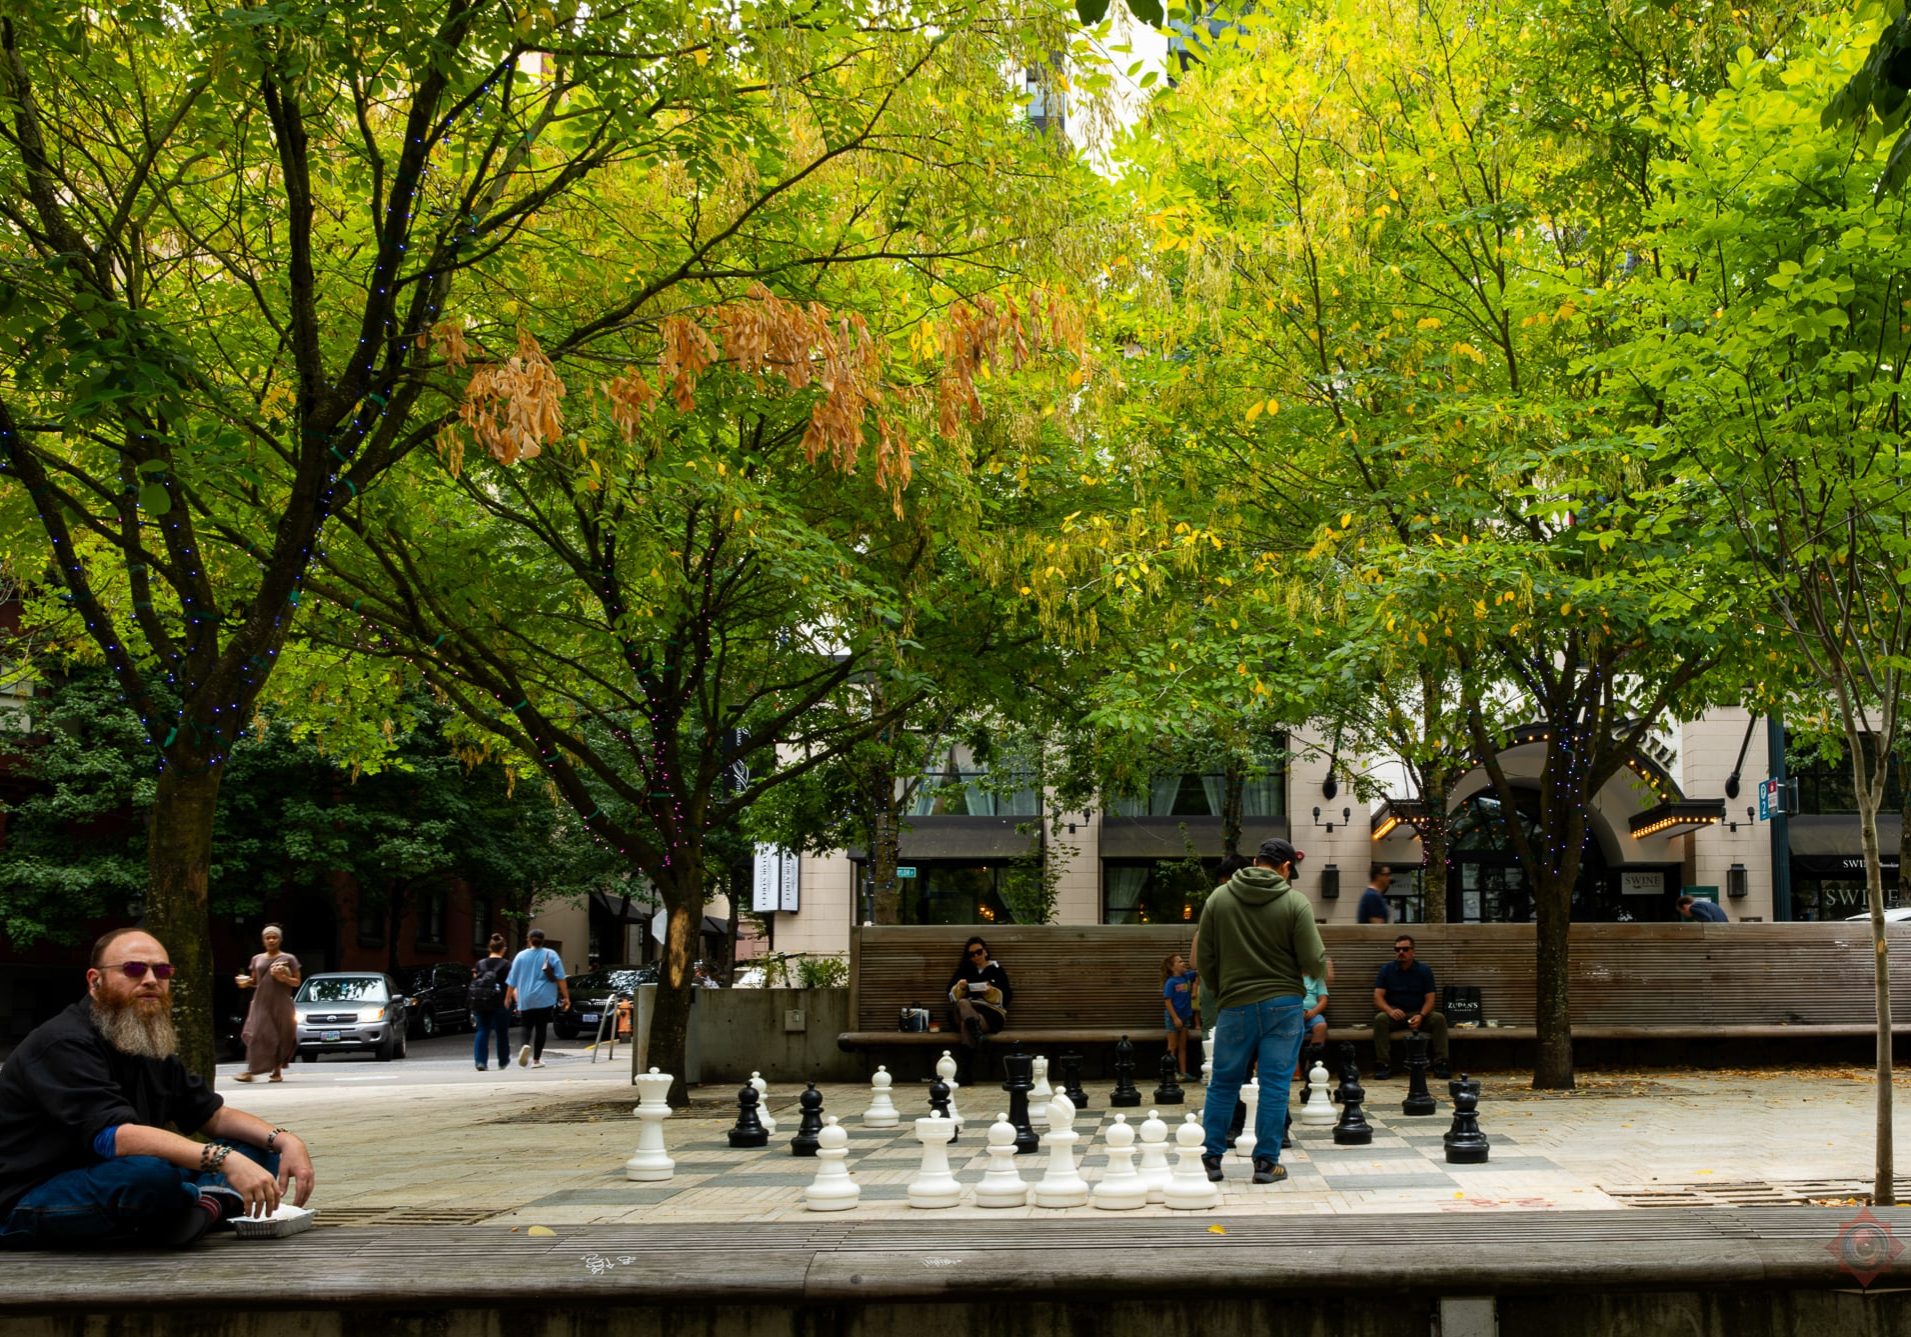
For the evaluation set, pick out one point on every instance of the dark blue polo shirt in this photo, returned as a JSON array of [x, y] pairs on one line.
[[1406, 988]]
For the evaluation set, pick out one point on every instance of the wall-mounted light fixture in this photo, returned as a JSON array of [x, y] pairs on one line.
[[1346, 816]]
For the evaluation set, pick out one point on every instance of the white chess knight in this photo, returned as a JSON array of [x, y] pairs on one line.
[[946, 1070], [1061, 1184], [934, 1185], [1040, 1094], [882, 1111], [832, 1190], [1002, 1185], [1154, 1171], [1189, 1190], [1318, 1109], [650, 1161], [1250, 1097], [763, 1102], [1121, 1188]]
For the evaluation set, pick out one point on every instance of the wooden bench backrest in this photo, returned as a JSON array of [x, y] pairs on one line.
[[1109, 976]]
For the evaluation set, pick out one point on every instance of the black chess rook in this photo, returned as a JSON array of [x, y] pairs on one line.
[[805, 1142]]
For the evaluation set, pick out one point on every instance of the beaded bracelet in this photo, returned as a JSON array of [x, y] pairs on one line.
[[213, 1156], [273, 1136]]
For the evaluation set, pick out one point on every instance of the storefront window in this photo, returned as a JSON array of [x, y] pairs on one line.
[[1823, 784], [948, 892], [955, 793], [1162, 891]]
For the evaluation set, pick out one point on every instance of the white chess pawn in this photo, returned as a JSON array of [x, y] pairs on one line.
[[1061, 1184], [934, 1185], [832, 1190], [1251, 1097], [1040, 1094], [1189, 1190], [1001, 1185], [1154, 1171], [763, 1102], [1121, 1189], [1318, 1109], [946, 1070], [1207, 1056], [882, 1111], [650, 1161]]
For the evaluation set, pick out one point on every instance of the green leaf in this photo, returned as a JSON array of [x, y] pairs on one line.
[[1091, 11], [1148, 11], [154, 499]]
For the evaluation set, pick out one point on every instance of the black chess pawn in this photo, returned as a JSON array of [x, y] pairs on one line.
[[749, 1130], [1353, 1130], [1465, 1143], [1069, 1066], [805, 1143], [1020, 1068], [1349, 1073], [1419, 1100], [939, 1107], [1169, 1092], [1125, 1095]]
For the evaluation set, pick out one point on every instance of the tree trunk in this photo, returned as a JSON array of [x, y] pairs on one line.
[[1233, 785], [178, 863], [1433, 848], [885, 841], [1883, 1193], [670, 1024], [1553, 907]]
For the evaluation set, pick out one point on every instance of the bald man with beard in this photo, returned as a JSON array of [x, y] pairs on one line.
[[97, 1115]]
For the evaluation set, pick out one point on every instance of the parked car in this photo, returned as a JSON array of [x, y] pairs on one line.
[[351, 1012], [439, 998], [594, 991], [1896, 915]]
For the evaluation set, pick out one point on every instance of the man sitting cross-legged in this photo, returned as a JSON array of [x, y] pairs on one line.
[[95, 1109]]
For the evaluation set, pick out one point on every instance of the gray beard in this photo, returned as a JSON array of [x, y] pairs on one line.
[[132, 1032]]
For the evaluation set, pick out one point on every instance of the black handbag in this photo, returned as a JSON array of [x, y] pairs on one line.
[[1461, 1003]]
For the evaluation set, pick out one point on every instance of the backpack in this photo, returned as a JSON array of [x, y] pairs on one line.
[[487, 994]]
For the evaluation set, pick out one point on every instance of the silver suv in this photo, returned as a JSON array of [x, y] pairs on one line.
[[350, 1012]]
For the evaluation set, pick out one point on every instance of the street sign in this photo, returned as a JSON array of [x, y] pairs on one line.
[[1771, 801], [905, 872], [774, 880]]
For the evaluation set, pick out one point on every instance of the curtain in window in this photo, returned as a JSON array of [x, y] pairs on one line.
[[1124, 886], [976, 790], [1130, 805], [1020, 803], [1216, 789], [1262, 797], [924, 802], [1161, 795]]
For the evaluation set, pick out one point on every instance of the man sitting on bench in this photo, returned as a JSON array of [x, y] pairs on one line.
[[1403, 995]]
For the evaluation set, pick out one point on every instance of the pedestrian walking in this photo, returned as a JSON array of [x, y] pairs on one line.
[[534, 988], [271, 1032], [488, 1014], [1257, 940]]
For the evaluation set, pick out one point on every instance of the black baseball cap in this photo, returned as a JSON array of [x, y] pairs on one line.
[[1278, 851]]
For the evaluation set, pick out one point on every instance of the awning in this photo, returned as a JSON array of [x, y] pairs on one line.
[[1825, 846], [1180, 837], [621, 908], [712, 926], [966, 838]]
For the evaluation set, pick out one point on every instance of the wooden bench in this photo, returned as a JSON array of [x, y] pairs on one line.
[[1093, 984]]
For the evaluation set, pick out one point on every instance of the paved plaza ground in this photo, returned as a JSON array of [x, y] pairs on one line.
[[431, 1141]]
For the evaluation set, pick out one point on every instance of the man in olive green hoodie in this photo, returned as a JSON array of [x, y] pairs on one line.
[[1257, 939]]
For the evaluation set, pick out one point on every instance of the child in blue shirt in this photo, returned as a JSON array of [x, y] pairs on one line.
[[1178, 1013], [1314, 1012]]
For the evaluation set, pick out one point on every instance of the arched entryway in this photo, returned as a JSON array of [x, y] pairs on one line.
[[1487, 885]]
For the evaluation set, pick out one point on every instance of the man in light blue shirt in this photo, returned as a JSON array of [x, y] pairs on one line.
[[535, 989]]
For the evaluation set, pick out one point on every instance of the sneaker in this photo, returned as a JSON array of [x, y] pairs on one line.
[[482, 1068], [524, 1056], [1213, 1167], [228, 1202], [1382, 1073], [1268, 1172], [193, 1224], [537, 1062]]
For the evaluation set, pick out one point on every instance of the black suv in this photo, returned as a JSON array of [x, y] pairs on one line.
[[440, 998], [593, 992]]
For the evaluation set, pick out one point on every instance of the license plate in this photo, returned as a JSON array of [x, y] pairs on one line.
[[329, 1035], [588, 1016]]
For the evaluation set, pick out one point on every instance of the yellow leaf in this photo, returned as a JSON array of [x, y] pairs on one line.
[[1273, 406], [1346, 519], [1241, 669], [701, 55], [1429, 323], [1254, 410], [543, 1232], [1217, 1230]]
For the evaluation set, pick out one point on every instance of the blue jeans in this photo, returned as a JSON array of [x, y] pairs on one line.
[[492, 1021], [127, 1200], [1267, 1034]]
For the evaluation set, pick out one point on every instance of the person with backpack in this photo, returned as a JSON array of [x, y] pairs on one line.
[[488, 1014], [534, 988]]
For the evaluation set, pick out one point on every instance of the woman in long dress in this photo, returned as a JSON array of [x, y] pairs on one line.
[[271, 1029]]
